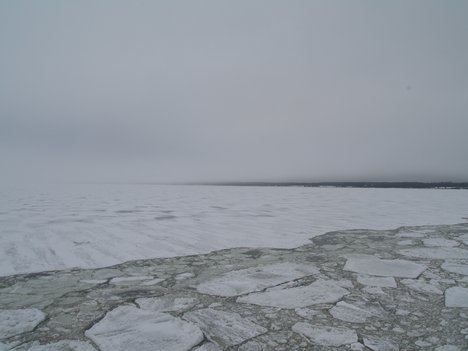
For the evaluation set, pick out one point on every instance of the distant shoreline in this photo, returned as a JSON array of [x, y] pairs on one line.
[[383, 185], [369, 185]]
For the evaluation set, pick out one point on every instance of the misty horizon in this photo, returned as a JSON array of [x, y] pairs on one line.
[[234, 91]]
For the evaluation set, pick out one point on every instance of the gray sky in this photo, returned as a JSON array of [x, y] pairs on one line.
[[235, 90]]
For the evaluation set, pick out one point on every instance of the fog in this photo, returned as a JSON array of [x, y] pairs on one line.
[[234, 90]]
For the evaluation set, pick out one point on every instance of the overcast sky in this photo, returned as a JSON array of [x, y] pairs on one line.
[[235, 90]]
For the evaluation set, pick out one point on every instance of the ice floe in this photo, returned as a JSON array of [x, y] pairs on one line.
[[326, 336], [13, 322], [227, 328], [166, 303], [356, 313], [320, 291], [456, 297], [378, 344], [130, 280], [448, 348], [422, 286], [372, 265], [64, 345], [454, 267], [463, 238], [209, 346], [130, 328], [435, 252], [440, 242], [254, 279], [382, 282]]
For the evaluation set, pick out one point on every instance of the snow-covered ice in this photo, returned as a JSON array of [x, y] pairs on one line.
[[456, 297], [254, 279], [327, 336], [229, 328], [13, 322], [372, 265], [101, 225], [320, 291], [130, 328]]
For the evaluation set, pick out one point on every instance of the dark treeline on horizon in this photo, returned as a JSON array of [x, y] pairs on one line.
[[402, 185]]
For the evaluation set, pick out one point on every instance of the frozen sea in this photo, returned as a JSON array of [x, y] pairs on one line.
[[93, 226]]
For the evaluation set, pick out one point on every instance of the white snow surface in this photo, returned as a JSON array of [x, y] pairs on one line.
[[14, 322], [96, 225], [372, 265], [130, 328], [255, 279]]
